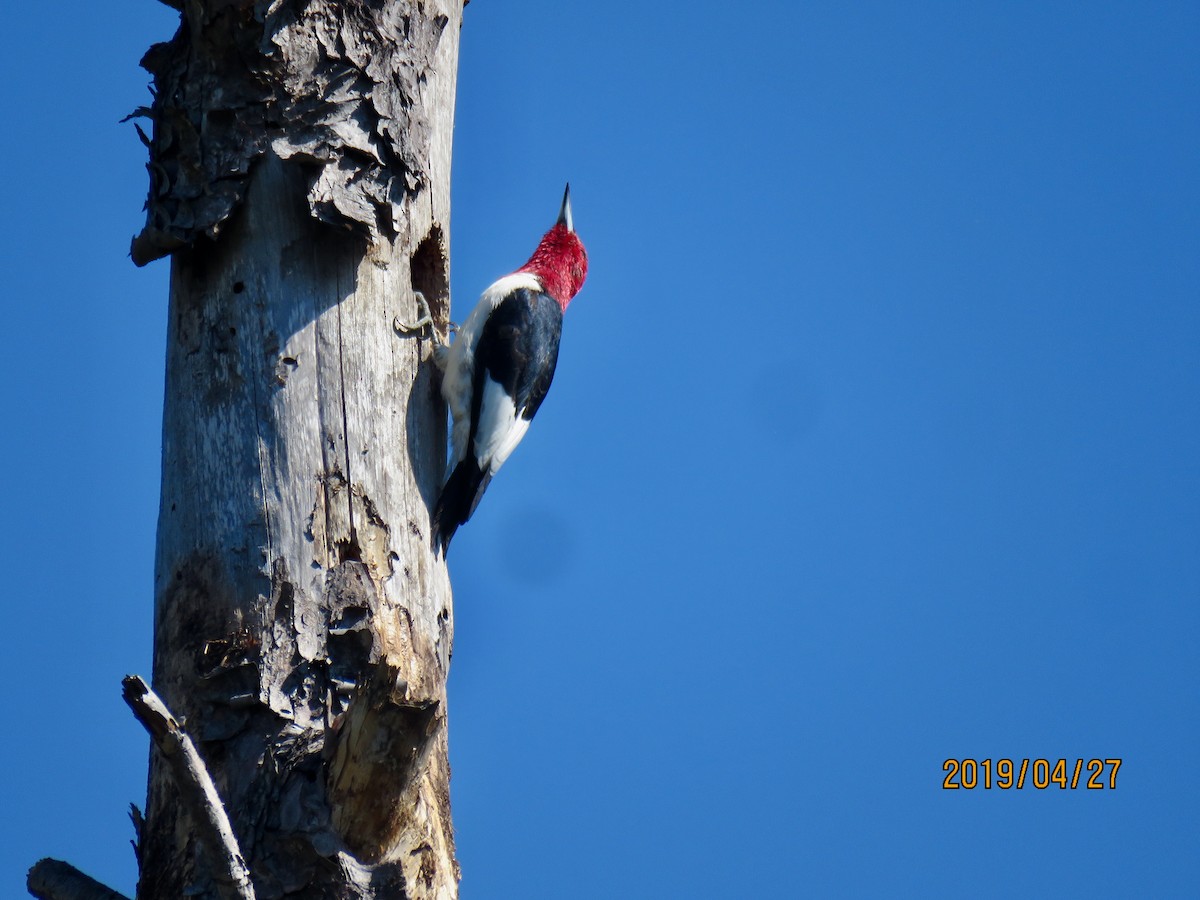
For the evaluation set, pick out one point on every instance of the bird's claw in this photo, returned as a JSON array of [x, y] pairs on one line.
[[418, 326], [426, 320]]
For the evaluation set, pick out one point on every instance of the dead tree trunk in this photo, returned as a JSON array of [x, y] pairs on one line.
[[300, 169]]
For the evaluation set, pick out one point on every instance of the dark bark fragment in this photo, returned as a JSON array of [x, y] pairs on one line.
[[53, 879]]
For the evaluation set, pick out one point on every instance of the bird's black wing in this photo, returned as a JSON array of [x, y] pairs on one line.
[[518, 349]]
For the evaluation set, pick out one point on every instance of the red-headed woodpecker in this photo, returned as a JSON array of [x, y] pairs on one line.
[[500, 366]]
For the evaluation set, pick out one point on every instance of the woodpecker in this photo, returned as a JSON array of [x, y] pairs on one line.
[[500, 366]]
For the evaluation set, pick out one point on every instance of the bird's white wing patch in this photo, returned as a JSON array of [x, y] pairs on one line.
[[501, 427]]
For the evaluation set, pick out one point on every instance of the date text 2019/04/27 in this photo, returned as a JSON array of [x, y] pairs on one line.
[[1092, 774]]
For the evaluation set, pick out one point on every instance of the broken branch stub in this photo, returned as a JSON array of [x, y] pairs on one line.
[[196, 789], [53, 879]]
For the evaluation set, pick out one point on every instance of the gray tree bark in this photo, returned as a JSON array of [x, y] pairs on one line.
[[300, 167]]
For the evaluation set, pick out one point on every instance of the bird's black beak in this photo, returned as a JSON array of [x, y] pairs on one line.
[[564, 215]]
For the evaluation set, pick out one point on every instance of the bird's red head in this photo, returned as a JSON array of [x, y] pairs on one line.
[[560, 261]]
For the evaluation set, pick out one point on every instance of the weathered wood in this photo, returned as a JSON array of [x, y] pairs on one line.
[[381, 749], [303, 626], [353, 89], [196, 789], [300, 179], [53, 879]]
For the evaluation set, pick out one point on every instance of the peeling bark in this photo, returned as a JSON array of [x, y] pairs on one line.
[[339, 86], [300, 179]]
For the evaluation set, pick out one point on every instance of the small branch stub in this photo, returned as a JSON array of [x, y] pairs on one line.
[[53, 879], [196, 789]]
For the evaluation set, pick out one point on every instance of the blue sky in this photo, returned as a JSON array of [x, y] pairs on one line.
[[873, 442]]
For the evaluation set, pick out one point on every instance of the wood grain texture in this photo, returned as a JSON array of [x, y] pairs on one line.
[[303, 626]]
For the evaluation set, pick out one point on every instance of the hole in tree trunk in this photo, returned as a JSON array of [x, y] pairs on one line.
[[428, 268]]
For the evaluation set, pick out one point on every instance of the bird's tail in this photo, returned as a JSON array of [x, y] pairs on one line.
[[459, 498]]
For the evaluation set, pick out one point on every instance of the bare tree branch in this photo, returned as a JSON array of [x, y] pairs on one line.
[[196, 789], [53, 879]]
